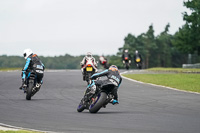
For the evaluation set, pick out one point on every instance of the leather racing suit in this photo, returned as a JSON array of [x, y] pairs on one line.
[[112, 82], [33, 64]]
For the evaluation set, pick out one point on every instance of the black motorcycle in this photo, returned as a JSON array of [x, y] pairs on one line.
[[126, 62], [32, 85], [138, 63], [95, 98]]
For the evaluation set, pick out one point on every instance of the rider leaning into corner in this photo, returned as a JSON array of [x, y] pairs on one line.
[[113, 80], [84, 61], [31, 61]]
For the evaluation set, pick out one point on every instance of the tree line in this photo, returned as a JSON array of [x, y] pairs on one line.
[[166, 50], [163, 50], [57, 62]]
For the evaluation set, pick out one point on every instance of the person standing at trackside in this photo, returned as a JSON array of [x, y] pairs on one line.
[[126, 56], [113, 81], [33, 64]]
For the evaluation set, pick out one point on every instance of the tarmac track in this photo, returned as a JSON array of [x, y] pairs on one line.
[[143, 108]]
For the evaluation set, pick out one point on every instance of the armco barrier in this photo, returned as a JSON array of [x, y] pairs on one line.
[[191, 65]]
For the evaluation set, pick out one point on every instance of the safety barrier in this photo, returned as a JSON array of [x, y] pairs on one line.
[[191, 65]]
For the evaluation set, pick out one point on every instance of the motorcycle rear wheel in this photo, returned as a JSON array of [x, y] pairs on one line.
[[29, 90], [100, 101], [88, 78], [127, 67]]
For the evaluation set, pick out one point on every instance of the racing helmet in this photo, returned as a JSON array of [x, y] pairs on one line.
[[89, 54], [27, 53], [136, 52], [126, 51], [113, 68]]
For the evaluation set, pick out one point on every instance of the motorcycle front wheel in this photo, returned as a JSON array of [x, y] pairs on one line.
[[81, 107]]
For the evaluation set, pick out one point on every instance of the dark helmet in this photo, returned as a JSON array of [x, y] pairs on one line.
[[113, 68]]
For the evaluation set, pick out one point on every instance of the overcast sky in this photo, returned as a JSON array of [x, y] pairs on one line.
[[57, 27]]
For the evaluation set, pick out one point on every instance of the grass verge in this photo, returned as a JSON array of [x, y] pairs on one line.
[[19, 131], [177, 70], [10, 69], [187, 82]]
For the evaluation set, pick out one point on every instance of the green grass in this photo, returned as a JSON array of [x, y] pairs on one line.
[[178, 70], [20, 131], [10, 69], [187, 82]]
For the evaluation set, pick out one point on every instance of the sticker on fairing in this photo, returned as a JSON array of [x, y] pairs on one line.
[[114, 82], [39, 67], [39, 71]]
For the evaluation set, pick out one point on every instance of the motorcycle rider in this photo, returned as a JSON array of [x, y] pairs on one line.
[[113, 81], [83, 63], [137, 55], [103, 61], [33, 64], [126, 55]]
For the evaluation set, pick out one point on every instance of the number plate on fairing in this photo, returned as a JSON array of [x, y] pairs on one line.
[[138, 60], [89, 69]]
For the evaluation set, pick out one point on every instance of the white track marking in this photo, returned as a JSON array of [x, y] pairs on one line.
[[14, 128]]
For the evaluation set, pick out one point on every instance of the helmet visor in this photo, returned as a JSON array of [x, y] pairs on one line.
[[24, 54], [89, 55]]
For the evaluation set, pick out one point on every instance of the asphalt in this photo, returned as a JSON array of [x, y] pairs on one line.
[[143, 108]]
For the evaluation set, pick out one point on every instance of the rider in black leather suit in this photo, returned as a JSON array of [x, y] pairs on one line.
[[113, 81]]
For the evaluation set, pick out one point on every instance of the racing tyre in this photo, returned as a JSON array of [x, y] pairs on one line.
[[88, 78], [80, 107], [29, 90], [127, 67], [98, 103]]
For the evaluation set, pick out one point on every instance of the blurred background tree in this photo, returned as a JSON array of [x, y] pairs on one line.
[[187, 39]]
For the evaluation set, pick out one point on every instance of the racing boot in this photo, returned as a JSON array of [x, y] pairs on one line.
[[113, 101], [22, 87]]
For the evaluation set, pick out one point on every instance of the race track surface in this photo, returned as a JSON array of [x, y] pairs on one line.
[[142, 109]]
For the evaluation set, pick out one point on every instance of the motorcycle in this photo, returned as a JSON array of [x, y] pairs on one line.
[[94, 99], [103, 62], [138, 63], [88, 70], [126, 62], [32, 86]]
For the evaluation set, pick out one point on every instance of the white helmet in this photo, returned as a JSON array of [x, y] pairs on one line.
[[136, 52], [89, 54], [126, 51], [27, 52]]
